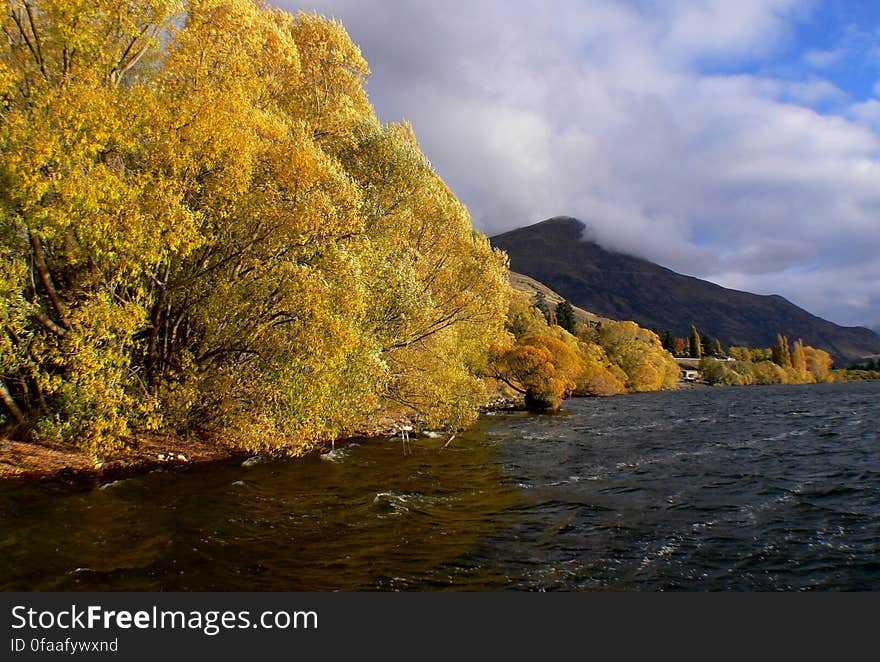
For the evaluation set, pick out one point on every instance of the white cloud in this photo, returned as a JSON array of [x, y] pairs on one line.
[[719, 29], [867, 113], [822, 59], [602, 110]]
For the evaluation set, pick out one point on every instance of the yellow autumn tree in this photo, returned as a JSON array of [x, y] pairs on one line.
[[640, 354], [799, 362], [203, 226], [261, 330], [84, 215], [542, 368], [598, 376], [818, 363], [438, 292], [329, 94], [523, 318]]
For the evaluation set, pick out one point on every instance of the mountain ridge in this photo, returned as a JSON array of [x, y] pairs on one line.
[[620, 286]]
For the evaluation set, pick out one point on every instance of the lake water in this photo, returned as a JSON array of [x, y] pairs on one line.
[[758, 488]]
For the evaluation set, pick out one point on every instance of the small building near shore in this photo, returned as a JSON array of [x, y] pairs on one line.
[[689, 369], [689, 375]]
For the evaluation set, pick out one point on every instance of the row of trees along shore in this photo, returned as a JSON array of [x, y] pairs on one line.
[[205, 228], [783, 363], [695, 346], [548, 362]]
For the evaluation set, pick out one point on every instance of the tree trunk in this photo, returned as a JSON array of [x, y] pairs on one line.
[[542, 404]]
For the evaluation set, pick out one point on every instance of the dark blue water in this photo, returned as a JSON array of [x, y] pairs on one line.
[[758, 488], [761, 488]]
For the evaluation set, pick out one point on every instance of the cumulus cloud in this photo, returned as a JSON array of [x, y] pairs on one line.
[[648, 120]]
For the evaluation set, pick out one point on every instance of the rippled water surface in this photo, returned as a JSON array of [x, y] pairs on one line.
[[759, 488]]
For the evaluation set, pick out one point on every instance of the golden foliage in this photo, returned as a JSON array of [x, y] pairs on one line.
[[437, 291], [543, 368], [719, 372], [202, 225], [755, 366], [818, 363], [598, 376], [523, 318], [640, 354]]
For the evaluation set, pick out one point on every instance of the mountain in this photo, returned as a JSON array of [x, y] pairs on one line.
[[624, 287]]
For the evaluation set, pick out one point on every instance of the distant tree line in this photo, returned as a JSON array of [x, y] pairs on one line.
[[553, 356], [696, 345], [783, 363]]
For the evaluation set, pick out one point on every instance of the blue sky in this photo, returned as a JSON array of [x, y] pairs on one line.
[[734, 141], [840, 42], [837, 41]]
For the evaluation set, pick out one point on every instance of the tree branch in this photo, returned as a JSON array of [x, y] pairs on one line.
[[122, 67], [30, 14], [516, 388], [11, 405], [15, 17], [46, 279], [43, 319]]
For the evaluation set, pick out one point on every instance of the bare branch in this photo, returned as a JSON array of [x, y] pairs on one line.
[[46, 279], [43, 319], [11, 405], [33, 24], [17, 18], [122, 66]]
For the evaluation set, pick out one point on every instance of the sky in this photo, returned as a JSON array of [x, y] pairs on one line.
[[733, 141]]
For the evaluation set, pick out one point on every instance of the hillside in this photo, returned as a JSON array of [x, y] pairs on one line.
[[530, 286], [624, 287]]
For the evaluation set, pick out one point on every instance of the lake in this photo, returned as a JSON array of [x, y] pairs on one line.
[[757, 488]]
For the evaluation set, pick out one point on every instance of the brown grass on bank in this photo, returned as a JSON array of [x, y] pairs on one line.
[[19, 459]]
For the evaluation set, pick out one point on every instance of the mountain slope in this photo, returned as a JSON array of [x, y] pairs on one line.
[[530, 286], [624, 287]]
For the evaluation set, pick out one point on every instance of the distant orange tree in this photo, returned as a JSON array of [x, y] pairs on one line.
[[542, 368]]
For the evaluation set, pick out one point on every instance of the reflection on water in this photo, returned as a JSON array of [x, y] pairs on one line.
[[750, 488]]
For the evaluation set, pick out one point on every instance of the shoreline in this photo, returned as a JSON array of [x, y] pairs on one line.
[[26, 461]]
